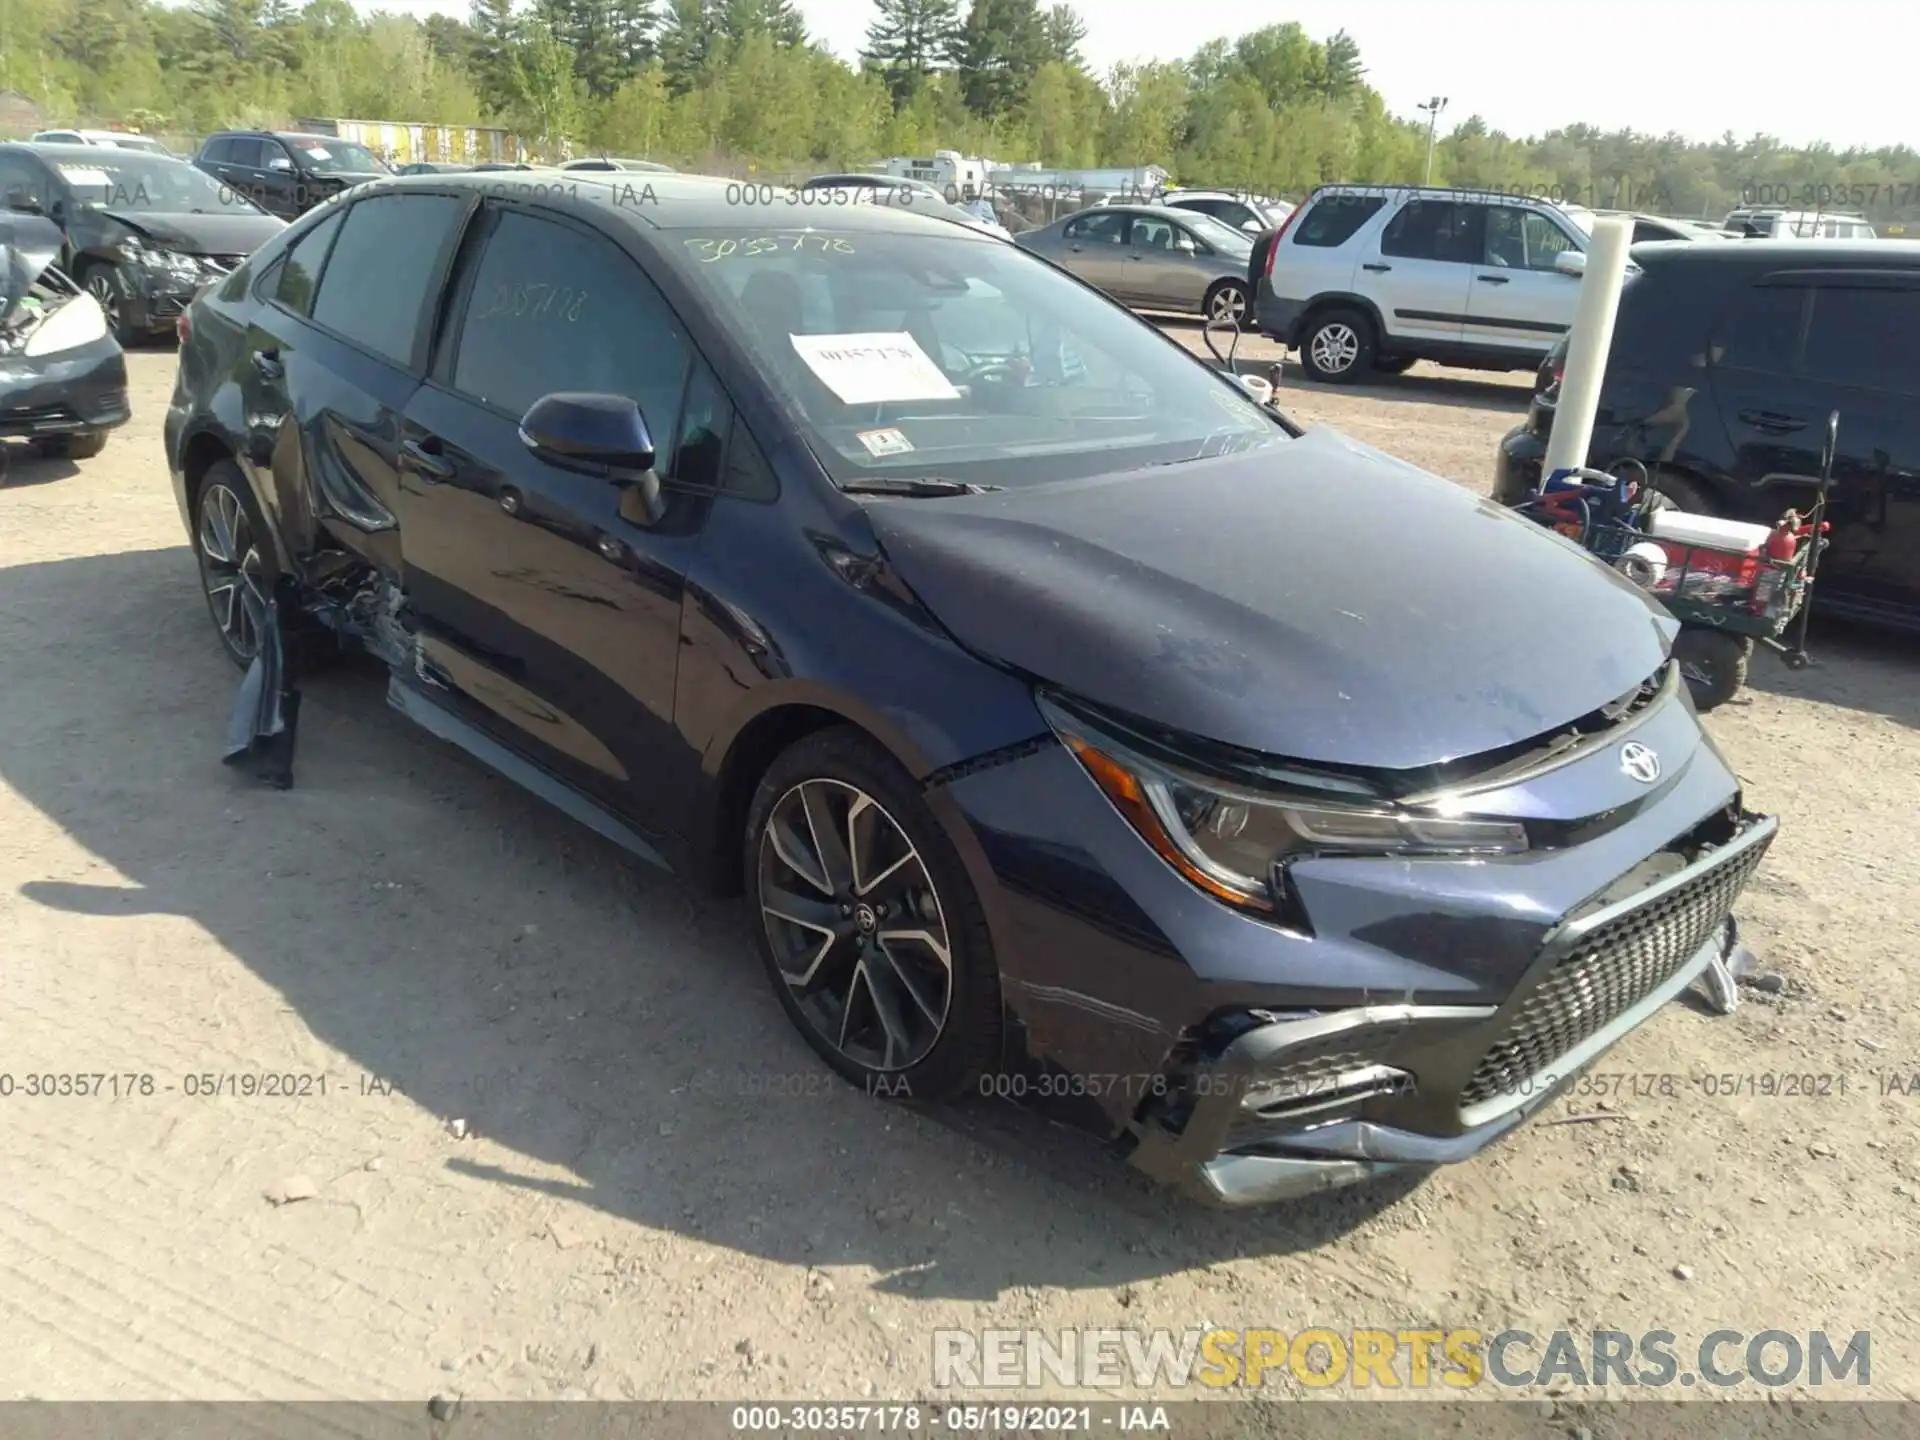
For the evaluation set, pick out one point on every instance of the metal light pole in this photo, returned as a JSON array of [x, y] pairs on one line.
[[1433, 108]]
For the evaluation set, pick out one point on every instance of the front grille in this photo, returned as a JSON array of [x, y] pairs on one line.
[[36, 419], [1609, 971]]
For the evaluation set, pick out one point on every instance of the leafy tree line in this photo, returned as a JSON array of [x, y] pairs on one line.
[[740, 84]]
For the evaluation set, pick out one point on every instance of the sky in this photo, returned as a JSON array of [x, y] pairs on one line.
[[1841, 71]]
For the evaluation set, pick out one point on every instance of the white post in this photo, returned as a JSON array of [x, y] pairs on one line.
[[1587, 345]]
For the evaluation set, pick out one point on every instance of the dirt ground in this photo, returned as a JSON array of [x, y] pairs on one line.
[[569, 1146]]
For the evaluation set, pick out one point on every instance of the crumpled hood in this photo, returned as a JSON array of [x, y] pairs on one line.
[[193, 234], [1317, 600], [28, 245]]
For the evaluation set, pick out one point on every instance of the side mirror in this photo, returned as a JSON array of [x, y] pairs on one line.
[[281, 163], [600, 435], [1185, 245], [1571, 262], [1253, 227], [26, 202]]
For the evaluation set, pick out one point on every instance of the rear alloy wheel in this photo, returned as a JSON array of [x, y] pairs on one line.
[[1227, 300], [1338, 347], [234, 569], [869, 926], [1713, 663], [1684, 493]]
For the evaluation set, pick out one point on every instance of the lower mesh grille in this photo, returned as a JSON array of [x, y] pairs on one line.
[[1608, 972]]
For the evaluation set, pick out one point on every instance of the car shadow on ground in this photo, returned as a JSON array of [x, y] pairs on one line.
[[1419, 386], [1858, 667], [492, 962], [20, 467]]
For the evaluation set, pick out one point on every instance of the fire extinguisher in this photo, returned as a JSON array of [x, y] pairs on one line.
[[1784, 541]]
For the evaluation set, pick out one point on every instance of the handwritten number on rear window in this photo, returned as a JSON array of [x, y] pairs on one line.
[[511, 299], [712, 251]]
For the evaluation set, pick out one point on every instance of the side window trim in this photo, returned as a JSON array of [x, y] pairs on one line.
[[423, 334]]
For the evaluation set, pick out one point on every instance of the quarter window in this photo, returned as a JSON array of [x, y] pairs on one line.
[[553, 308], [1335, 219], [298, 275], [380, 279]]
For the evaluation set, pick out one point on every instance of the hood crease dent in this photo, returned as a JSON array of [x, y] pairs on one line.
[[1317, 600]]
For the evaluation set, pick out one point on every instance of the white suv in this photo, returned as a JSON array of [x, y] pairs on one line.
[[1365, 279]]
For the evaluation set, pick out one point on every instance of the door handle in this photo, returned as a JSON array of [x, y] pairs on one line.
[[1377, 269], [267, 362], [1772, 421], [1493, 279], [424, 457]]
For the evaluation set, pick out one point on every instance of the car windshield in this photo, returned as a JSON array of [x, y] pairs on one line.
[[918, 356], [1218, 233], [115, 179], [336, 157]]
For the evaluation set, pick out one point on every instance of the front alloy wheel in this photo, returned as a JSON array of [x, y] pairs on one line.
[[103, 284], [232, 568], [1334, 348], [855, 925]]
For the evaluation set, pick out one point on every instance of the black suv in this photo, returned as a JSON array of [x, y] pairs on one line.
[[1726, 361], [284, 172]]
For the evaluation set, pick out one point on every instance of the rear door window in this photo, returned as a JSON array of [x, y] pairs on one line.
[[1107, 227], [382, 278], [1762, 332], [1866, 338], [1335, 219], [244, 151], [1436, 230]]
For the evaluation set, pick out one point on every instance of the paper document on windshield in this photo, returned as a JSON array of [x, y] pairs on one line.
[[84, 175], [874, 369]]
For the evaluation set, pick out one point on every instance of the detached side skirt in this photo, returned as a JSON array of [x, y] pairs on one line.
[[266, 713]]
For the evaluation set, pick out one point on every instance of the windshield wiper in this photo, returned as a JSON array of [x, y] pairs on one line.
[[928, 487]]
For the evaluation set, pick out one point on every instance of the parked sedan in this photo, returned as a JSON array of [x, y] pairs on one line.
[[1153, 257], [142, 232], [1078, 733]]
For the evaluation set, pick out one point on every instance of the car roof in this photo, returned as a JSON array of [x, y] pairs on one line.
[[1762, 254], [665, 200], [65, 149], [1444, 192]]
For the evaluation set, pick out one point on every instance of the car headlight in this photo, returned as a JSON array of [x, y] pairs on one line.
[[167, 262], [77, 322], [1234, 842]]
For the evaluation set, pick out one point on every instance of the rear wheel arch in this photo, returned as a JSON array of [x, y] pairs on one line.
[[1343, 300], [1688, 491]]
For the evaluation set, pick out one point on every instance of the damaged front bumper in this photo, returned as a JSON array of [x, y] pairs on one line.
[[1267, 1107]]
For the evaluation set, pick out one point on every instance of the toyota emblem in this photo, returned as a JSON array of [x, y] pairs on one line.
[[1639, 762]]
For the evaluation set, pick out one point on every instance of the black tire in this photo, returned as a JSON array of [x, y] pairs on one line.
[[83, 446], [822, 768], [256, 539], [103, 281], [1228, 298], [1395, 364], [1337, 347], [1688, 495], [1713, 663]]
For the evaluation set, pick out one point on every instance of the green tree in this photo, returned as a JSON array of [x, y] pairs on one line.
[[1003, 43], [1065, 32], [910, 41], [691, 35]]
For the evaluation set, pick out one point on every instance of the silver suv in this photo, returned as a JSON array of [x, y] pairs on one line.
[[1368, 279]]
